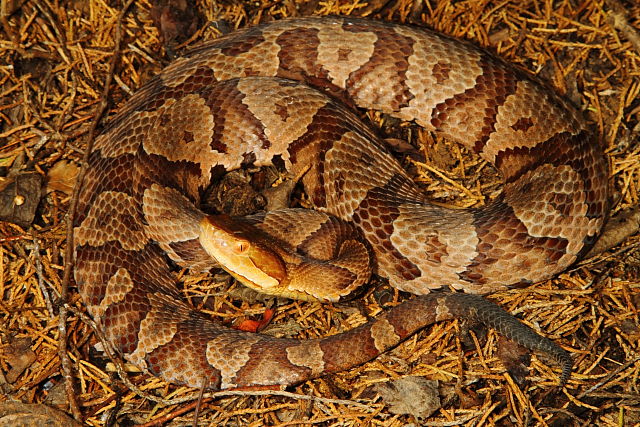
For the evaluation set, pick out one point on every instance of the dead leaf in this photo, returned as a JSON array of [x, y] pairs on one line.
[[62, 177], [278, 197], [233, 195], [19, 355], [22, 414], [19, 197], [401, 146], [515, 358], [415, 396], [626, 223], [176, 20]]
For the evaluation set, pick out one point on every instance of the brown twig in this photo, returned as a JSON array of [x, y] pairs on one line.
[[173, 414], [62, 344], [5, 24], [41, 280], [205, 385], [609, 377]]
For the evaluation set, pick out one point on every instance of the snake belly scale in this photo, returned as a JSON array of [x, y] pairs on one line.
[[259, 97]]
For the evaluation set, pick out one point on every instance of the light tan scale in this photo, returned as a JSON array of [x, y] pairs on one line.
[[269, 95]]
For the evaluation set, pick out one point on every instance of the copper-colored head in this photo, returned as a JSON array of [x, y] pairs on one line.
[[242, 251]]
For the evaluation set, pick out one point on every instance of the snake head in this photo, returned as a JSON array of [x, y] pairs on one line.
[[243, 251]]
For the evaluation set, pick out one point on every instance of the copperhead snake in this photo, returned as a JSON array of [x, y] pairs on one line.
[[267, 96]]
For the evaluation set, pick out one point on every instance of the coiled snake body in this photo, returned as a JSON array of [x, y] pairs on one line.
[[245, 99]]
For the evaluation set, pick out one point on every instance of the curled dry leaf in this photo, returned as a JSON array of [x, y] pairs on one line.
[[624, 224], [19, 355], [415, 396], [62, 177]]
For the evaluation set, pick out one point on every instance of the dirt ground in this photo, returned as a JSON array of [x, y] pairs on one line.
[[54, 61]]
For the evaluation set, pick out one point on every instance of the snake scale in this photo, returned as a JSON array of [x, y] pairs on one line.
[[268, 95]]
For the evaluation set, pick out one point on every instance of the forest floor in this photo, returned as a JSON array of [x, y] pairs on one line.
[[54, 61]]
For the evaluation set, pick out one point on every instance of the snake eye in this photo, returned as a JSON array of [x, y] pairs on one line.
[[241, 246]]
